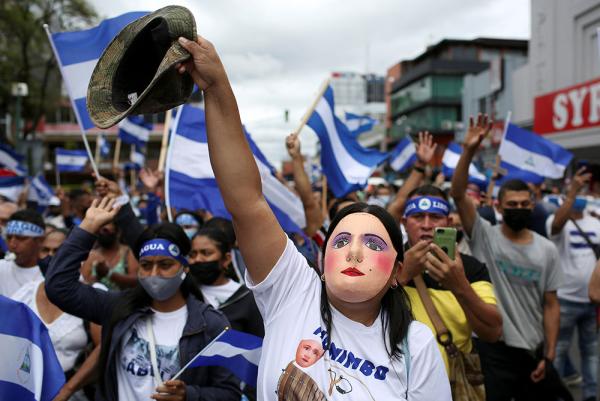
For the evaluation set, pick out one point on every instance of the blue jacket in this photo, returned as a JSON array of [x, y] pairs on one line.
[[203, 324]]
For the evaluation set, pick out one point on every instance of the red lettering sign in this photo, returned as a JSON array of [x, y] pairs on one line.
[[568, 109]]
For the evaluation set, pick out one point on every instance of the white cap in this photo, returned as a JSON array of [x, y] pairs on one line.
[[54, 201]]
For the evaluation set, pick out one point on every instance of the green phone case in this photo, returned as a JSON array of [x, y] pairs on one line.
[[445, 238]]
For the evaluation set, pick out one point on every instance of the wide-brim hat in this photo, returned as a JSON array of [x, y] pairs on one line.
[[136, 74]]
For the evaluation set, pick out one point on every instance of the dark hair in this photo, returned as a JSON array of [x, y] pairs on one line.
[[333, 209], [428, 190], [30, 216], [513, 185], [396, 312], [133, 299], [217, 236], [225, 225]]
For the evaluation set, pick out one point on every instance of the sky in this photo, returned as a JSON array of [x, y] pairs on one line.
[[277, 53]]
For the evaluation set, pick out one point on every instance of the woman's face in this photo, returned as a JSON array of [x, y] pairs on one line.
[[204, 249], [162, 266], [359, 259], [308, 352]]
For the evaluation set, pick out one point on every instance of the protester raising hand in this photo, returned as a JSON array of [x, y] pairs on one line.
[[205, 66], [150, 178], [101, 212], [292, 144], [425, 148], [478, 131]]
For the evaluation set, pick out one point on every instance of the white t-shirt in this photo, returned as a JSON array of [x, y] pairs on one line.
[[357, 365], [134, 369], [216, 295], [67, 332], [13, 277], [576, 257]]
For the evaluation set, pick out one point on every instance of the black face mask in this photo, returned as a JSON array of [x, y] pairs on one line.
[[206, 272], [517, 219], [107, 240]]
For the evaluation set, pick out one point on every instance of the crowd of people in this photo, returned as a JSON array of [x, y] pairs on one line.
[[363, 304]]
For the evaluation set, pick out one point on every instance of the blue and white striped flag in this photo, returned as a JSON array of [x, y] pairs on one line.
[[134, 130], [104, 146], [358, 124], [137, 157], [346, 164], [450, 160], [239, 352], [30, 370], [404, 155], [70, 160], [11, 160], [12, 186], [530, 157], [79, 51], [40, 191], [191, 184]]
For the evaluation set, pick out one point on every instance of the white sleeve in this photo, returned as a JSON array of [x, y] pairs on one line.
[[556, 237], [427, 377], [287, 283]]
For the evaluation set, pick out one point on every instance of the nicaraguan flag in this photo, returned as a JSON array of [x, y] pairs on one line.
[[404, 155], [530, 157], [358, 124], [79, 51], [345, 163], [70, 160], [239, 352], [134, 130], [450, 160], [30, 369], [104, 146], [11, 187], [11, 160], [40, 190], [137, 157], [191, 184]]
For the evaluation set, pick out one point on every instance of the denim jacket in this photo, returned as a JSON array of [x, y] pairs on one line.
[[203, 323]]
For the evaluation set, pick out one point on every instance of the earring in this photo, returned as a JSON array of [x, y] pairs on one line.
[[323, 277], [394, 286]]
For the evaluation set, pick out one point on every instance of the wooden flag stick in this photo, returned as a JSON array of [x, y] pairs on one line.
[[313, 106], [117, 154], [164, 143], [324, 194], [97, 150]]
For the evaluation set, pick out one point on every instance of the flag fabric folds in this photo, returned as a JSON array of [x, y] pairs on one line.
[[191, 184], [134, 130], [30, 369], [79, 51], [11, 185], [404, 155], [40, 191], [239, 352], [11, 160], [345, 162], [450, 160], [70, 160], [358, 124], [530, 157]]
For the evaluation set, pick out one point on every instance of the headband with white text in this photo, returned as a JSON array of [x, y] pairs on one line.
[[24, 229], [162, 247], [426, 204]]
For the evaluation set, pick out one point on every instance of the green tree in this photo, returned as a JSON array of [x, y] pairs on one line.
[[26, 55]]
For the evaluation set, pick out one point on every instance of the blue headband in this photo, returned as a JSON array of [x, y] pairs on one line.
[[426, 204], [24, 229], [162, 247]]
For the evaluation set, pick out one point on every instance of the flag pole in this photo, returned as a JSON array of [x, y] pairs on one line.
[[132, 169], [117, 154], [199, 353], [324, 194], [313, 106], [168, 164], [66, 82], [97, 150], [57, 172], [164, 142]]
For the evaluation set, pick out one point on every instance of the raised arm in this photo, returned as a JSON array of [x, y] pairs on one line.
[[475, 134], [561, 216], [425, 151], [312, 209], [260, 237]]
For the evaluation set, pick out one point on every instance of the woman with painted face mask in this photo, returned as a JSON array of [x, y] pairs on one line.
[[151, 331], [355, 309]]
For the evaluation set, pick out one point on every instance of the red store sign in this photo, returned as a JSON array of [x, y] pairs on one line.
[[567, 109]]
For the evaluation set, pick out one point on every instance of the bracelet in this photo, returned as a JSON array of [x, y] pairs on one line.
[[419, 169]]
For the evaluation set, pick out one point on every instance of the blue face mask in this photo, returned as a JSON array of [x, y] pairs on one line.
[[579, 204]]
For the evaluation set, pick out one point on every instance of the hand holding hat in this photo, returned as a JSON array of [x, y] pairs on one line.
[[204, 66]]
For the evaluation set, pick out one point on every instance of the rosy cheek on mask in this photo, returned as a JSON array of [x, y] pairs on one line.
[[331, 260], [384, 262]]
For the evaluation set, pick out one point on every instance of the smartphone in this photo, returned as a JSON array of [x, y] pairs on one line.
[[445, 238]]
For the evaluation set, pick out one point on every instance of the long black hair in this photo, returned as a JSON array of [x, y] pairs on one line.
[[396, 313], [137, 298]]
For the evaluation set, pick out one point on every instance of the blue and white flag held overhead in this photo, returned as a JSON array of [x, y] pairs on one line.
[[79, 51], [191, 184], [358, 124], [11, 160], [30, 370], [530, 157], [346, 164], [450, 160], [70, 160], [134, 130], [404, 155], [40, 191], [104, 146], [11, 187], [239, 352]]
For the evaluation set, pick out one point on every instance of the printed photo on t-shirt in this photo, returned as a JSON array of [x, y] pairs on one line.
[[135, 358]]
